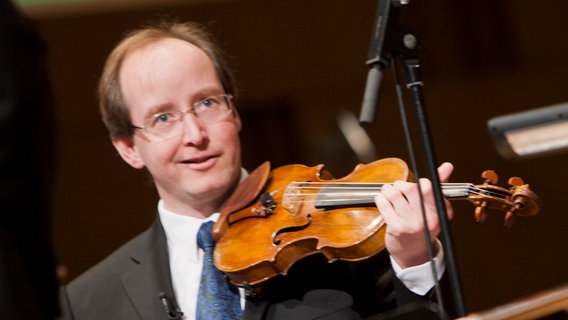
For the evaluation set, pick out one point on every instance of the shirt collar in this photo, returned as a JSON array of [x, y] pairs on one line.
[[181, 231]]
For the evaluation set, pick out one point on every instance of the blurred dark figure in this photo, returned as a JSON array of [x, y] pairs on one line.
[[28, 285]]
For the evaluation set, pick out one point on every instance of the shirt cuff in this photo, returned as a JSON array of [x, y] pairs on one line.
[[420, 279]]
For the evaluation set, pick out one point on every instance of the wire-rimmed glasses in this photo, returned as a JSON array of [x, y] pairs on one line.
[[167, 124]]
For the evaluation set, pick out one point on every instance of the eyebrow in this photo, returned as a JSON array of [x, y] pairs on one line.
[[157, 109], [208, 92]]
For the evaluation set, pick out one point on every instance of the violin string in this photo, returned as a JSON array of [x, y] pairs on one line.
[[366, 191], [355, 187]]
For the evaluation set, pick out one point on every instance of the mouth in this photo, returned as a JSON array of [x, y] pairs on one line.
[[200, 162]]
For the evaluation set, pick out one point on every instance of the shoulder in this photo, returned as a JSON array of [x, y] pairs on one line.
[[110, 270], [105, 278], [100, 292]]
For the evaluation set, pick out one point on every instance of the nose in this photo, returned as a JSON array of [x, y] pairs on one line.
[[193, 130]]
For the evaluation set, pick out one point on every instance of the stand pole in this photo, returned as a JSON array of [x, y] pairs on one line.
[[391, 39], [414, 83]]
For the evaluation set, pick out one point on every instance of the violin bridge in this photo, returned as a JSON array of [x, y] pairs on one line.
[[292, 197]]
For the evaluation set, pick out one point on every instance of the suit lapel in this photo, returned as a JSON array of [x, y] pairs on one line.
[[150, 275]]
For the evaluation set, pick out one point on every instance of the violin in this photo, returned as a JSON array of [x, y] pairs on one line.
[[275, 218]]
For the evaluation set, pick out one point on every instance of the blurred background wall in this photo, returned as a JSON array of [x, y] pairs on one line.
[[301, 63]]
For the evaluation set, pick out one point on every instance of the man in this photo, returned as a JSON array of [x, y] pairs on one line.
[[167, 99]]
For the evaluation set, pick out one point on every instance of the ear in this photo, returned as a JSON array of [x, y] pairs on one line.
[[237, 118], [128, 152]]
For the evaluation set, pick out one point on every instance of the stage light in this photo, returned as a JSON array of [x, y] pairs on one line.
[[532, 133]]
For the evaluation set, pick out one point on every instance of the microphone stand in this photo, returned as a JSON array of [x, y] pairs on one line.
[[391, 39]]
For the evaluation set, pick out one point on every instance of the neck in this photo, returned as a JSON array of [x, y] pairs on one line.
[[200, 210], [195, 206]]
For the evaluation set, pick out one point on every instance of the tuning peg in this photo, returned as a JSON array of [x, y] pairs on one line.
[[509, 219], [490, 176], [481, 213], [516, 181]]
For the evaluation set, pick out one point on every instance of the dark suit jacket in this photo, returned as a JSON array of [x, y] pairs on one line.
[[129, 283]]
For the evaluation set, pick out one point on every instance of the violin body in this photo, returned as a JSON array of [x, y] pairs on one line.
[[268, 237], [275, 218]]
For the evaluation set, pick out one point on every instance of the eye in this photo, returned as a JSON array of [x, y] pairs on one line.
[[163, 119], [208, 103]]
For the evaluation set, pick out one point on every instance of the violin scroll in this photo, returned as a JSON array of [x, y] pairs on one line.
[[517, 200]]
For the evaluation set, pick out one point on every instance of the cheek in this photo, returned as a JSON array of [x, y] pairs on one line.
[[227, 134], [156, 154]]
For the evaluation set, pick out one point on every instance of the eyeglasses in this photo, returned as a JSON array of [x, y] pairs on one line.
[[167, 124]]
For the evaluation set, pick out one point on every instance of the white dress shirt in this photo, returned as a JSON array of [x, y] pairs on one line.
[[185, 257], [186, 260]]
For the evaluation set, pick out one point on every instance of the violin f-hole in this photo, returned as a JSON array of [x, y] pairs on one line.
[[276, 239]]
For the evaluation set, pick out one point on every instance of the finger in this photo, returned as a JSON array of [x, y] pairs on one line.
[[385, 201], [403, 196], [385, 208], [445, 171], [411, 194]]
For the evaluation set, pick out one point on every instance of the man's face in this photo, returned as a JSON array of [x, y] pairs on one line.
[[197, 168]]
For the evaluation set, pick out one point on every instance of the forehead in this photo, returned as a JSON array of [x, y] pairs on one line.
[[165, 70], [166, 56]]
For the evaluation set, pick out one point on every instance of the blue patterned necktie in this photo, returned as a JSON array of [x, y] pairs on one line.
[[218, 299]]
